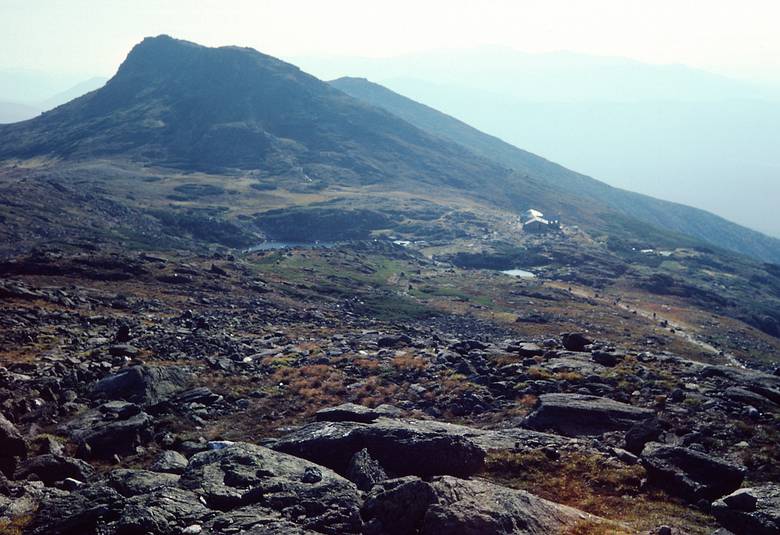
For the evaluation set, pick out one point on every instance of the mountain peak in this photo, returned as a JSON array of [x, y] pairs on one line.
[[163, 55], [184, 105]]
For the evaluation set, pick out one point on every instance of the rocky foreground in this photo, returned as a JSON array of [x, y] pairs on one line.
[[194, 395]]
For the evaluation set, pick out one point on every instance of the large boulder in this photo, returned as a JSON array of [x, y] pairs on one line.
[[116, 427], [253, 520], [763, 384], [136, 482], [170, 461], [350, 412], [401, 446], [579, 414], [642, 433], [242, 475], [163, 511], [575, 341], [397, 506], [12, 445], [526, 349], [68, 513], [690, 474], [51, 469], [754, 510], [468, 507], [143, 385]]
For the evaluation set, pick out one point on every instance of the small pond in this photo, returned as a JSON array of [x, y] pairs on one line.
[[274, 245], [523, 274]]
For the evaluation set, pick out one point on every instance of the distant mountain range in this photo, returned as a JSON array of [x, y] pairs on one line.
[[14, 111], [543, 77], [234, 111]]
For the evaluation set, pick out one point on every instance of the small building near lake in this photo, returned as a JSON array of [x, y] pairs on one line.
[[532, 213], [535, 222], [536, 225]]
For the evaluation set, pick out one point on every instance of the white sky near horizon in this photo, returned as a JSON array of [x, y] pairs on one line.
[[92, 37]]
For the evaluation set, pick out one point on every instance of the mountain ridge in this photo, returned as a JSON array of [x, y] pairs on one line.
[[247, 110]]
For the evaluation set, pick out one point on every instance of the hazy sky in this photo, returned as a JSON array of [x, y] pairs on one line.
[[738, 37]]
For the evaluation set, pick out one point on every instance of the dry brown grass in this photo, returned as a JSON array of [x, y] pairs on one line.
[[456, 384], [375, 391], [16, 526], [535, 372], [595, 527], [528, 401], [568, 376], [596, 485], [227, 384], [314, 386], [367, 365], [409, 363], [503, 360]]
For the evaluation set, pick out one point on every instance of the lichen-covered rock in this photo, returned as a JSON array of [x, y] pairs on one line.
[[51, 468], [690, 474], [135, 482], [579, 414], [351, 412], [144, 385], [170, 461], [253, 520], [115, 427], [753, 510], [164, 511], [482, 508], [68, 513], [241, 475], [469, 507], [402, 446]]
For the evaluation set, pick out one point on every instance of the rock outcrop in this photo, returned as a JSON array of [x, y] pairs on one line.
[[243, 475], [688, 473], [402, 447], [52, 469], [470, 507], [142, 385], [578, 414], [753, 510], [116, 427], [350, 412], [12, 445]]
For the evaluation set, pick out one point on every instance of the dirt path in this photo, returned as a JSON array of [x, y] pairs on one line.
[[676, 328]]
